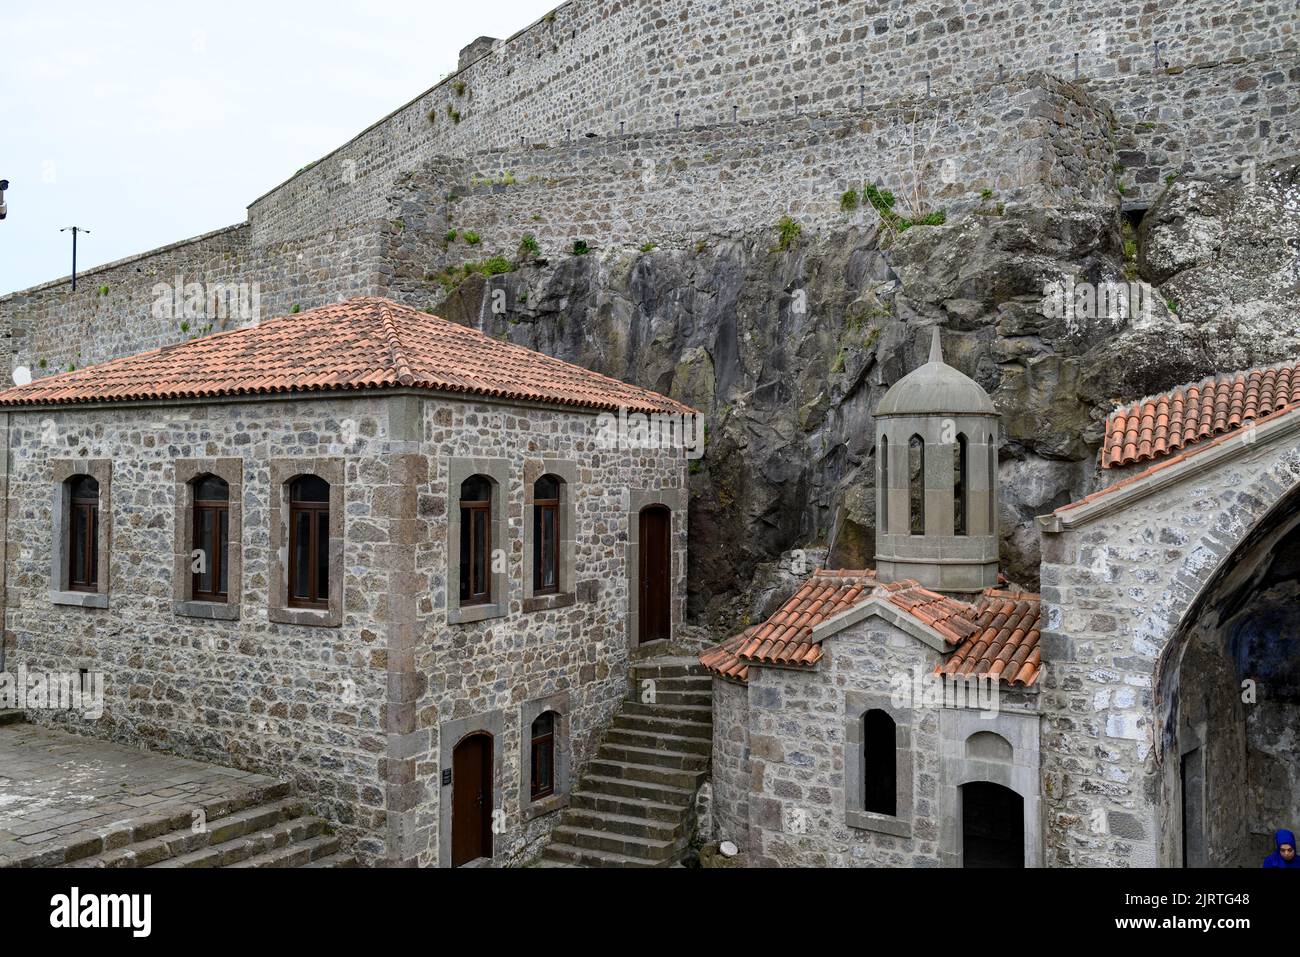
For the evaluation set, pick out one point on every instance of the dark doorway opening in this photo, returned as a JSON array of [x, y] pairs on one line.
[[1193, 787], [655, 606], [471, 807], [993, 826]]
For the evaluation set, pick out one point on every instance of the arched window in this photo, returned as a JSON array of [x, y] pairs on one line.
[[916, 483], [884, 485], [992, 455], [960, 482], [211, 538], [476, 541], [880, 764], [543, 756], [309, 542], [546, 536], [83, 534]]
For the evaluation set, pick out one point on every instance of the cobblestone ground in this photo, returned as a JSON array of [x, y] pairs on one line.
[[54, 786]]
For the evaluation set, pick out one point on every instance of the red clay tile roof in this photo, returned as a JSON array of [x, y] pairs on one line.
[[723, 660], [1004, 641], [996, 637], [786, 637], [1169, 462], [1165, 424], [356, 345], [948, 616]]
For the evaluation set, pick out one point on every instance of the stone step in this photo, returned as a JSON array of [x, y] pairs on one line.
[[669, 668], [244, 847], [12, 717], [702, 714], [585, 857], [180, 839], [645, 774], [649, 739], [640, 684], [334, 860], [641, 808], [626, 825], [663, 696], [627, 788], [673, 727], [653, 757], [298, 854], [627, 846]]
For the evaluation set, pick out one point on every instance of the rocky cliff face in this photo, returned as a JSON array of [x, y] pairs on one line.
[[788, 351]]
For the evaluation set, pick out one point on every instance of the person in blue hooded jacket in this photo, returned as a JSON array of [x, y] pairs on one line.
[[1284, 856]]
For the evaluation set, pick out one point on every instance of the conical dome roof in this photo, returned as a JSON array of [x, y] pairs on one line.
[[936, 389]]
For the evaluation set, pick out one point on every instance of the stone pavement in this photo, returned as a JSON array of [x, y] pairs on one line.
[[57, 789]]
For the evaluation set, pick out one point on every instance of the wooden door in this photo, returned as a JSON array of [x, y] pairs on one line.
[[656, 575], [471, 801]]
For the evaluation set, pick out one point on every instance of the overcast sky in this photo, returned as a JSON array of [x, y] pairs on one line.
[[149, 122]]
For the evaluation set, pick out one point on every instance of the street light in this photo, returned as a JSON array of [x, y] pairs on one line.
[[4, 210], [74, 230]]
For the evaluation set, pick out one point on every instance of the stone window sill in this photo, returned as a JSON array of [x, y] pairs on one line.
[[556, 802], [473, 613], [79, 599], [215, 611], [866, 821], [549, 602], [308, 617]]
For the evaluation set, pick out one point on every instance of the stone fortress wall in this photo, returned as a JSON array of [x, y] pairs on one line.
[[1032, 140], [608, 66], [779, 114]]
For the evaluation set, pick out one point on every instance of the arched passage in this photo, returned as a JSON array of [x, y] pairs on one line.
[[1228, 705], [992, 826]]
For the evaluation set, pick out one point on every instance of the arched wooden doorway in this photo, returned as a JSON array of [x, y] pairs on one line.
[[993, 826], [471, 810], [655, 586]]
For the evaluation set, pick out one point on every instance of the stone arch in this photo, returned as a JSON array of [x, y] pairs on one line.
[[1125, 575], [989, 746], [1227, 690]]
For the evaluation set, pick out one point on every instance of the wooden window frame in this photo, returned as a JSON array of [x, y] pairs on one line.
[[316, 602], [468, 511], [218, 556], [86, 563], [541, 506], [546, 740]]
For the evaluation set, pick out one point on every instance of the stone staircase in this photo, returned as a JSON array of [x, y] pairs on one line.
[[264, 828], [634, 806]]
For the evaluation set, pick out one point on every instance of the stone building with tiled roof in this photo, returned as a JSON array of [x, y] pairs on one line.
[[878, 720], [394, 561], [1140, 712]]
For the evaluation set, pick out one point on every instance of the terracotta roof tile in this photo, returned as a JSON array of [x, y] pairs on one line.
[[1170, 462], [355, 345], [1165, 424], [995, 637], [786, 637], [1003, 640]]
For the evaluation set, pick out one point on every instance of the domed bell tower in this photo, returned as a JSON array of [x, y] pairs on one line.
[[937, 480]]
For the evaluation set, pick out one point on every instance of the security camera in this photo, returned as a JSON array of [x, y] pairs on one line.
[[4, 210]]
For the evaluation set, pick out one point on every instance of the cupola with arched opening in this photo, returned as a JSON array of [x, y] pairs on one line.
[[937, 480]]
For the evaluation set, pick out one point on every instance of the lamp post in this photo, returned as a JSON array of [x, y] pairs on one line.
[[74, 230]]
